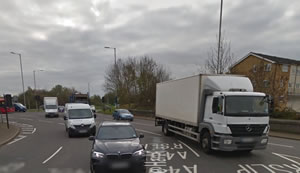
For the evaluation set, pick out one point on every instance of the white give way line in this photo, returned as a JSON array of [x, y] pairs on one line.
[[52, 155]]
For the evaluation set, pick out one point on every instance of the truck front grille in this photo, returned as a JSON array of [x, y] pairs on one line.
[[247, 130]]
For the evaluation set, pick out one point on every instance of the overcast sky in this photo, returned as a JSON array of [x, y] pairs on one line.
[[67, 38]]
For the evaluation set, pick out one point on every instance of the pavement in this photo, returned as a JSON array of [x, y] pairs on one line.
[[284, 135], [6, 135]]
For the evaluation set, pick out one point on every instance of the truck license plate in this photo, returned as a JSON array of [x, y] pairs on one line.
[[247, 140]]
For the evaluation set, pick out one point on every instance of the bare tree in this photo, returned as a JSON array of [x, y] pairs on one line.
[[220, 65], [134, 79]]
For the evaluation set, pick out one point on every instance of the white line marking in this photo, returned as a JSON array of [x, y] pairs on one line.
[[26, 133], [285, 156], [148, 132], [189, 148], [52, 155], [287, 146], [61, 124], [33, 131], [142, 124], [45, 121], [16, 140], [26, 119]]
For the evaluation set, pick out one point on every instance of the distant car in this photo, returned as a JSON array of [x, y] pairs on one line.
[[122, 114], [61, 108], [93, 108], [19, 107], [117, 147]]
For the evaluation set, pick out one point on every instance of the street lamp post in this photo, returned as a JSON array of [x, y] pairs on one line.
[[36, 104], [115, 55], [219, 44], [115, 52], [20, 56]]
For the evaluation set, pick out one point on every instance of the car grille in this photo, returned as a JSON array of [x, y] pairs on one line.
[[118, 157], [82, 126], [247, 130]]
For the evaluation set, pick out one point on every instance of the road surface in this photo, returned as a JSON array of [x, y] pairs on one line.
[[43, 146]]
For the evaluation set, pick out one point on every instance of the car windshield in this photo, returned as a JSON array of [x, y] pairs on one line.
[[245, 105], [116, 132], [124, 111], [51, 107], [80, 113]]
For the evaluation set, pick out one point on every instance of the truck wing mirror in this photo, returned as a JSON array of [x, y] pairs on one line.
[[65, 118]]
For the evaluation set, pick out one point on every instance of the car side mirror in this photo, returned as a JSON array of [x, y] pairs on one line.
[[141, 135], [65, 118], [95, 115], [92, 138]]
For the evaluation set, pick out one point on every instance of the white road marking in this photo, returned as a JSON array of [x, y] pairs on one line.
[[189, 148], [26, 133], [287, 157], [148, 132], [16, 140], [33, 131], [142, 124], [61, 124], [45, 121], [52, 155], [280, 145], [27, 119]]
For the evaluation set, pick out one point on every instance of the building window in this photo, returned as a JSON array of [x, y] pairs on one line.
[[266, 83], [268, 67], [297, 85], [285, 68], [254, 68], [290, 85], [281, 83]]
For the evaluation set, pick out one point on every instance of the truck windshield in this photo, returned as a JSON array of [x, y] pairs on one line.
[[80, 113], [51, 107], [246, 105]]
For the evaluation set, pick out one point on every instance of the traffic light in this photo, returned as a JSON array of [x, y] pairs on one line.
[[8, 100], [103, 99]]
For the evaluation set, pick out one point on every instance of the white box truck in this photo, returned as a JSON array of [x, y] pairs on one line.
[[221, 112], [51, 107]]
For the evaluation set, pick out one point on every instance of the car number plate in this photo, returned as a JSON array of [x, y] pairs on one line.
[[82, 131], [119, 165]]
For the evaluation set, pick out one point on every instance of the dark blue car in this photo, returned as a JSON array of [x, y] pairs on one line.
[[19, 107], [122, 114]]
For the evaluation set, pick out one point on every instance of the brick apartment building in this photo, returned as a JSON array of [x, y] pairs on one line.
[[277, 76]]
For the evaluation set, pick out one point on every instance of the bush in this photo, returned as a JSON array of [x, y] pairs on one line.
[[287, 113]]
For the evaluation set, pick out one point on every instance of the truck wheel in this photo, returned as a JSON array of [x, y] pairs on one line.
[[165, 129], [206, 142]]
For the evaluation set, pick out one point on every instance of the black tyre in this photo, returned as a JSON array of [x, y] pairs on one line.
[[70, 134], [206, 142], [165, 129]]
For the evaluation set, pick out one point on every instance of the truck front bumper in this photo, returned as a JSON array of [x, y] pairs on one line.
[[230, 143]]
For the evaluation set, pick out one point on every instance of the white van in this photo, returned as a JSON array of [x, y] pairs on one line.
[[79, 119]]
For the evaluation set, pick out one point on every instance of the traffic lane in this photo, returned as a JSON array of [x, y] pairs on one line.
[[31, 151]]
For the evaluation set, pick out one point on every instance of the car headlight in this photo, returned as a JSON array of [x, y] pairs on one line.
[[72, 126], [140, 152], [97, 155]]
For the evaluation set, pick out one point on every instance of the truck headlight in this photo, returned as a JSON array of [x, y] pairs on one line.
[[140, 152], [227, 141], [97, 155], [264, 141]]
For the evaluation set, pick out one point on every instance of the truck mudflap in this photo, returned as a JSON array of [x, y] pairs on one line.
[[230, 143], [159, 121]]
